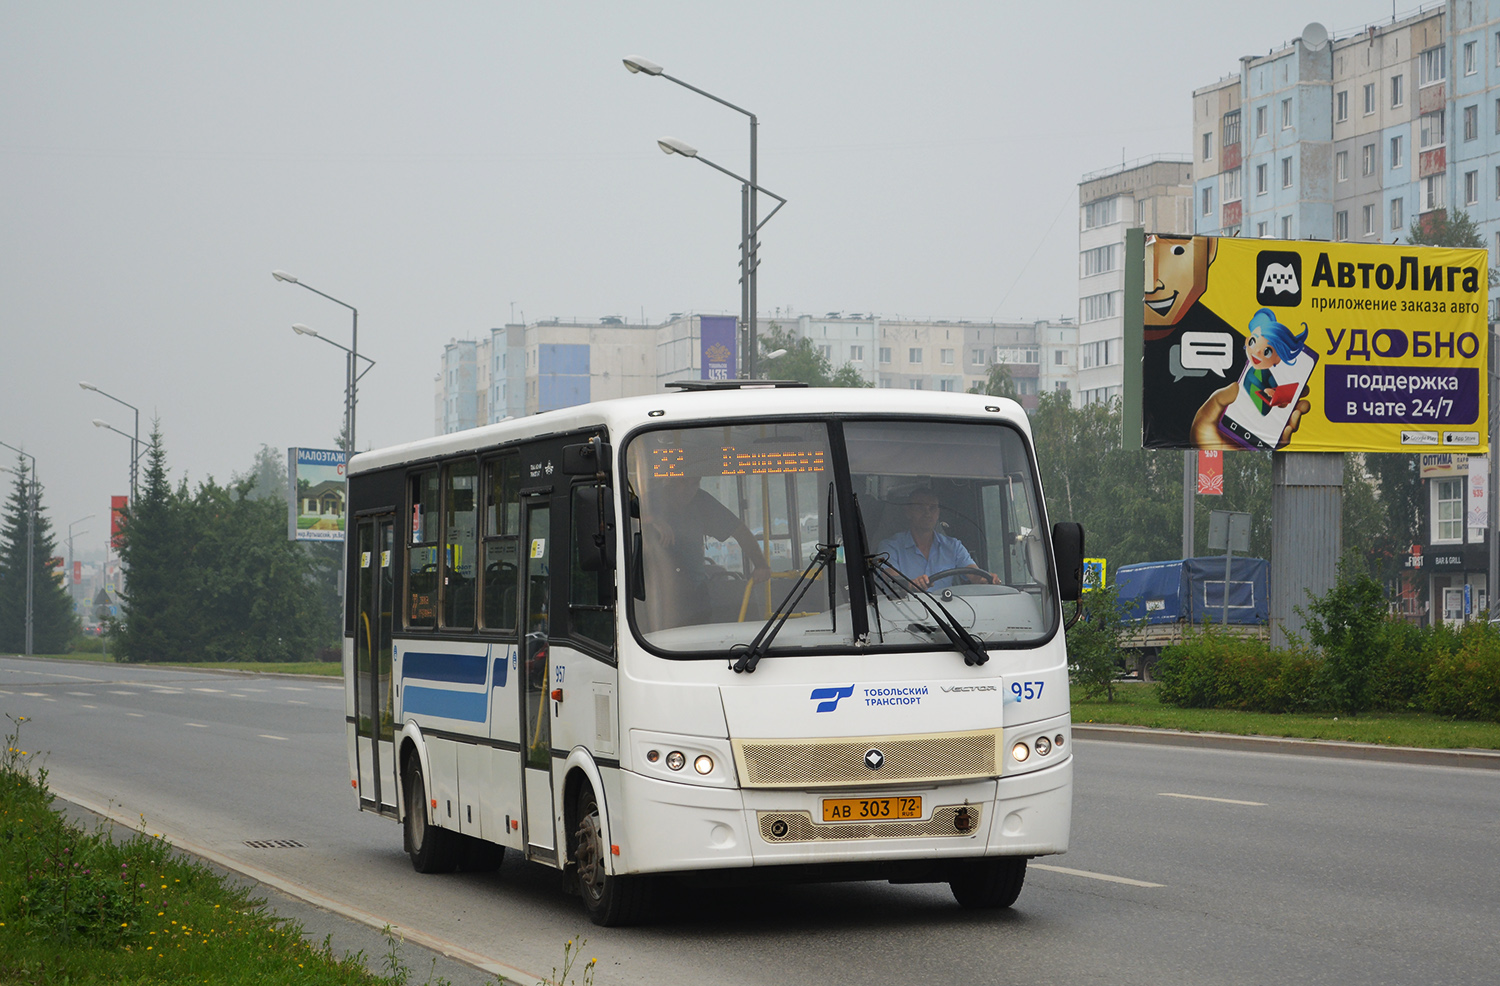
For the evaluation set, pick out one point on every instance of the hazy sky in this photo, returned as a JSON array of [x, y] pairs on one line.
[[441, 166]]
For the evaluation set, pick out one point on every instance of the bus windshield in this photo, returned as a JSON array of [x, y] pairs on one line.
[[726, 519]]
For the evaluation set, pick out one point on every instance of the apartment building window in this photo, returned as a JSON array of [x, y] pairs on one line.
[[1260, 231], [1142, 210], [1231, 129], [885, 354], [856, 354], [1231, 181], [1286, 172], [1341, 166], [1432, 66], [1397, 146], [1471, 122], [1100, 213], [1208, 146], [1369, 98], [1286, 114], [914, 384], [1431, 130], [1059, 357], [976, 356], [1261, 179], [1497, 183], [1367, 164], [1341, 225], [1398, 94], [1471, 57], [1434, 192], [1341, 105], [1286, 227], [1369, 214], [1099, 260], [1098, 306], [947, 384], [1497, 116], [1260, 121], [945, 356], [825, 352], [1208, 205], [1398, 221], [1471, 187], [1448, 510], [914, 354]]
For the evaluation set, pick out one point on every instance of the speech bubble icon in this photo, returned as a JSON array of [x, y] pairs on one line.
[[1211, 351], [1175, 367]]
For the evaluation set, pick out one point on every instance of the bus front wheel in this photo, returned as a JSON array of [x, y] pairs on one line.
[[432, 850], [992, 882], [610, 901]]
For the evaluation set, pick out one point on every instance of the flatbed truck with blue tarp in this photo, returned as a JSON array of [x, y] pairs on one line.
[[1162, 600]]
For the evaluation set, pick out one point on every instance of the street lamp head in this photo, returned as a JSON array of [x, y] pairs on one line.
[[671, 145], [282, 275], [774, 354], [86, 386], [99, 423], [303, 330], [636, 63]]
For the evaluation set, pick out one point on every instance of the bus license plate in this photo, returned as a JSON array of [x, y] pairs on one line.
[[870, 809]]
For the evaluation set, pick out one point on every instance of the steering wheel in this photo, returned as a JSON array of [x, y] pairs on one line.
[[945, 573]]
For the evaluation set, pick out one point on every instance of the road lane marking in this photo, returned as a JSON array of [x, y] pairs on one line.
[[270, 737], [293, 701], [4, 692], [293, 688], [138, 715], [82, 694], [81, 706], [213, 690], [1222, 801], [113, 692], [35, 694], [166, 691], [1094, 876], [195, 725]]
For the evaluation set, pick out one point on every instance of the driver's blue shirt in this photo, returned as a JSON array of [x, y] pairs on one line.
[[946, 552]]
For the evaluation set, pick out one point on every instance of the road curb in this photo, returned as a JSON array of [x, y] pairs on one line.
[[1482, 759]]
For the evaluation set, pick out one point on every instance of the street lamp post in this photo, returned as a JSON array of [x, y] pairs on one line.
[[135, 440], [31, 496], [351, 379], [749, 256], [68, 575], [135, 453], [749, 233]]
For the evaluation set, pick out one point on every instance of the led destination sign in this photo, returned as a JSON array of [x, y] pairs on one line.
[[670, 462]]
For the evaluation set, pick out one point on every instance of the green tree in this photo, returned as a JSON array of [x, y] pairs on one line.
[[53, 622], [267, 475], [803, 362], [1094, 653], [156, 551], [1442, 228], [997, 383], [1347, 625]]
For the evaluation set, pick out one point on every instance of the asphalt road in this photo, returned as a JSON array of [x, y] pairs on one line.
[[1188, 865]]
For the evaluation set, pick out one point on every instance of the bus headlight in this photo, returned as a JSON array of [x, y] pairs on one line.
[[1043, 746], [1020, 752], [675, 760], [704, 764]]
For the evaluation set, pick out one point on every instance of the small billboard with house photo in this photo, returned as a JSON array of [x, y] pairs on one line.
[[316, 494]]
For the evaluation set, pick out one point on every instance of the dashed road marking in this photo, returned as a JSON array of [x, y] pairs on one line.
[[270, 737], [1222, 801], [1094, 876]]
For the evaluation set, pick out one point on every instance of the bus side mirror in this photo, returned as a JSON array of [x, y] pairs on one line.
[[593, 528], [590, 458], [1067, 554]]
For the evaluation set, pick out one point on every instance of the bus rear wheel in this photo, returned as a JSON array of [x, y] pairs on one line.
[[432, 850], [989, 883], [611, 901]]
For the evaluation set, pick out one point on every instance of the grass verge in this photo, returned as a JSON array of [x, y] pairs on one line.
[[1136, 704], [324, 669], [78, 907]]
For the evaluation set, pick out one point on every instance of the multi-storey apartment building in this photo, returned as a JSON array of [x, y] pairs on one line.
[[1155, 193]]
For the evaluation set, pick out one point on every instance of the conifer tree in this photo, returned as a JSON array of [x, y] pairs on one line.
[[54, 624]]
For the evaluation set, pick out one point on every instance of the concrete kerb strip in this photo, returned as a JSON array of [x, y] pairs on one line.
[[1483, 759], [441, 946]]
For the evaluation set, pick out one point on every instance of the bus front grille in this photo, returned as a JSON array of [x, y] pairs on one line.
[[847, 761]]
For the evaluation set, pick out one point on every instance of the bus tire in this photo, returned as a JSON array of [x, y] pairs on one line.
[[432, 850], [989, 883], [611, 901]]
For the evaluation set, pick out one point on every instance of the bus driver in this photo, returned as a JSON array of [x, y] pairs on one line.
[[922, 550]]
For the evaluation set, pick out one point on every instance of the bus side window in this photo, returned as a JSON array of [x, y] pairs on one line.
[[502, 518], [460, 542], [422, 570], [591, 586]]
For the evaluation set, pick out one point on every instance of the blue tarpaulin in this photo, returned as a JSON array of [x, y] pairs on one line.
[[1192, 591]]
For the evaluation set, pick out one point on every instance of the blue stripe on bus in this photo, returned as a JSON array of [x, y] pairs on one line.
[[463, 669], [470, 706], [502, 668]]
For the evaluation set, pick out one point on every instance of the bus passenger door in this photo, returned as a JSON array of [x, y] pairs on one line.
[[535, 691], [373, 702]]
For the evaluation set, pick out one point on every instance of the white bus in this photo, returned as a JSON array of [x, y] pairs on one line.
[[672, 635]]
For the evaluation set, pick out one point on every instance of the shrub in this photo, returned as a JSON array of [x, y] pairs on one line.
[[1094, 653], [1465, 682], [1349, 625], [1213, 669]]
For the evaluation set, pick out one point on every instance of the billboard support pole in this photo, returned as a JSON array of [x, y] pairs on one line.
[[1492, 570], [1189, 490]]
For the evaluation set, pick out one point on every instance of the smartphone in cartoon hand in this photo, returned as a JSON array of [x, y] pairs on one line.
[[1258, 414]]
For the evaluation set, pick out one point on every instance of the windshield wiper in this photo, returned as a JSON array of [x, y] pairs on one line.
[[963, 641], [824, 557]]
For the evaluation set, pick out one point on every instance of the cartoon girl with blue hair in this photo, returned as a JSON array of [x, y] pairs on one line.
[[1270, 344]]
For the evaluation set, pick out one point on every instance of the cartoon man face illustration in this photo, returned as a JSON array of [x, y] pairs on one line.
[[1176, 275]]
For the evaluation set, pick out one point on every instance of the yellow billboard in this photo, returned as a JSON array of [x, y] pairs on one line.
[[1313, 347]]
